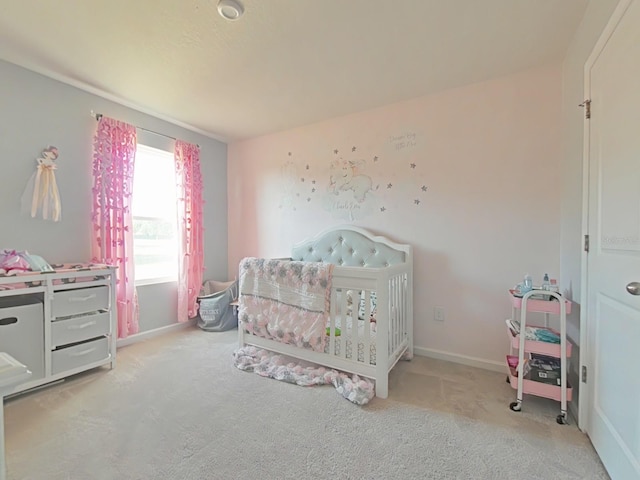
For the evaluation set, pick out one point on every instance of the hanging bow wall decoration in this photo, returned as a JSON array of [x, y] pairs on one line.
[[41, 195]]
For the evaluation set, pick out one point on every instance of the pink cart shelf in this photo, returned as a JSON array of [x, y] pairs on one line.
[[538, 388], [533, 346], [542, 306]]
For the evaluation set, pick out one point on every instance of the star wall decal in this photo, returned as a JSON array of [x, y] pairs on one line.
[[313, 181], [307, 167], [424, 188], [353, 149], [335, 151], [302, 179], [313, 190], [413, 165], [383, 209], [416, 201], [389, 185], [289, 153], [375, 159], [308, 199]]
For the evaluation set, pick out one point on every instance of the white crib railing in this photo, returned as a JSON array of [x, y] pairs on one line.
[[398, 318], [391, 317]]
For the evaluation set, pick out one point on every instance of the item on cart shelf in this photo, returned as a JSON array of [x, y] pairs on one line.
[[546, 286], [520, 289], [519, 293], [544, 369], [537, 368], [539, 334], [512, 361], [526, 285]]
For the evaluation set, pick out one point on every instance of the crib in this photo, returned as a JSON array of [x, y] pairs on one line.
[[370, 324]]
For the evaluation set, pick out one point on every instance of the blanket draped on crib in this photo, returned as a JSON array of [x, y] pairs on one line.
[[354, 388], [286, 301]]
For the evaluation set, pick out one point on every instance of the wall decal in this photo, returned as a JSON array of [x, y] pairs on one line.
[[404, 177], [353, 182], [296, 185], [351, 190], [345, 175], [403, 141]]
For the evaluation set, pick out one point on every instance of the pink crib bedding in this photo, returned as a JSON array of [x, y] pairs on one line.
[[286, 301]]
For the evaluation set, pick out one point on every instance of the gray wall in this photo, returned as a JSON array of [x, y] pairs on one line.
[[36, 111]]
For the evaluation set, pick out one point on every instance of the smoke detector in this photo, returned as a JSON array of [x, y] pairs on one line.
[[230, 9]]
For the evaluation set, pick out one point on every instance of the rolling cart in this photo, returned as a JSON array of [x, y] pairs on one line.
[[555, 305]]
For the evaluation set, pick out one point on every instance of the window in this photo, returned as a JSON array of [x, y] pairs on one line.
[[155, 221]]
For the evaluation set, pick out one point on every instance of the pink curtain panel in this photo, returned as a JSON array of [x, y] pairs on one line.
[[114, 150], [190, 230]]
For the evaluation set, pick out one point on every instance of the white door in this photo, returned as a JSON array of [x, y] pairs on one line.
[[613, 325]]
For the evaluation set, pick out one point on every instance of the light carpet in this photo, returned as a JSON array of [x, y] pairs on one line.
[[176, 408]]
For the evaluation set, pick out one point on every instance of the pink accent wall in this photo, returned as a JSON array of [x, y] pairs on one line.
[[488, 157]]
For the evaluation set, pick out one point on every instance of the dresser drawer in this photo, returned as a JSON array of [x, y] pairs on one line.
[[77, 329], [22, 332], [81, 300], [78, 355]]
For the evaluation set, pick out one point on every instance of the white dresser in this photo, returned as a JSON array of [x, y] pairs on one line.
[[59, 323]]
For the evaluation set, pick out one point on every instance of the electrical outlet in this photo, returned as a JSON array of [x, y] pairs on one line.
[[438, 314]]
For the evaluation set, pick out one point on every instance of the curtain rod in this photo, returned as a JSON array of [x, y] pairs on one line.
[[98, 116]]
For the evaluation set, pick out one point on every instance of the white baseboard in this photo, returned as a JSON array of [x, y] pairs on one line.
[[463, 359], [138, 337]]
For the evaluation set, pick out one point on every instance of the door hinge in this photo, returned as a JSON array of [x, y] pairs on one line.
[[586, 243], [584, 374], [587, 108]]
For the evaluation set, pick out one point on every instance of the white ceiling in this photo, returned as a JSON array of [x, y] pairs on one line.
[[285, 63]]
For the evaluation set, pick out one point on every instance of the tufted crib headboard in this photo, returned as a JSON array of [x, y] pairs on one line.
[[350, 246]]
